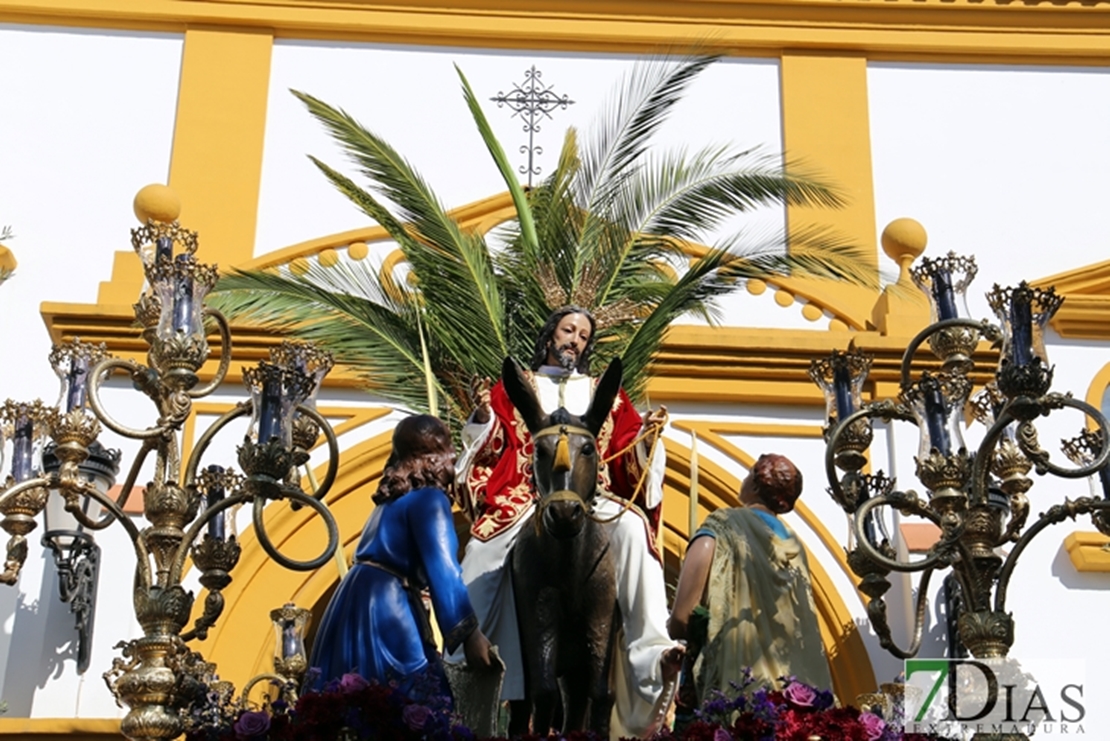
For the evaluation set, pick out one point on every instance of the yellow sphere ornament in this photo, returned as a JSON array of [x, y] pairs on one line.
[[328, 258], [904, 238], [8, 262], [358, 250], [299, 266], [156, 202]]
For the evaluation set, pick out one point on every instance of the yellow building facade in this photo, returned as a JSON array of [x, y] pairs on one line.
[[826, 57]]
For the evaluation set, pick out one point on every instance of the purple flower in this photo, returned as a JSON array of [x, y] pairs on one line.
[[800, 694], [721, 735], [416, 716], [349, 683], [873, 725], [252, 724]]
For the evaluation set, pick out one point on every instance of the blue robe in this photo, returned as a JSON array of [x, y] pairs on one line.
[[376, 627]]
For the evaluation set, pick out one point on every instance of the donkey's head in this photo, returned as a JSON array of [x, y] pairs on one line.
[[566, 458]]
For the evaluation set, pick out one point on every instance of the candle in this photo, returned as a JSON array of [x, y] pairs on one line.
[[935, 419], [21, 449], [182, 299], [944, 295], [842, 386], [164, 249], [1021, 327], [869, 525], [269, 416], [78, 370], [215, 496]]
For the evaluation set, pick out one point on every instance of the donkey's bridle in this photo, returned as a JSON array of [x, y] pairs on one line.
[[562, 459]]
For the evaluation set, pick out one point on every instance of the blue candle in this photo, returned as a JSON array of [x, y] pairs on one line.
[[1021, 327], [935, 419], [182, 299], [842, 387], [21, 449], [78, 370], [944, 295], [215, 496], [164, 249], [269, 416]]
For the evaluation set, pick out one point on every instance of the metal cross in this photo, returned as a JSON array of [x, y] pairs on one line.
[[532, 100]]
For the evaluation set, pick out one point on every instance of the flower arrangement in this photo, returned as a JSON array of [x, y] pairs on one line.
[[353, 709]]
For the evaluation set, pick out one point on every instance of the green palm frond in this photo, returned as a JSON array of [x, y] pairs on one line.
[[441, 255]]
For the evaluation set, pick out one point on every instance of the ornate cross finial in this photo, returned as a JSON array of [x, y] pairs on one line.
[[532, 100]]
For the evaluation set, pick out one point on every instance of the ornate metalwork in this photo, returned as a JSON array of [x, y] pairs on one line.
[[158, 675], [532, 101], [78, 566], [977, 498]]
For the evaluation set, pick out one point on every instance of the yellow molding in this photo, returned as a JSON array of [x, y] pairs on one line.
[[1085, 313], [479, 216], [938, 30], [1089, 552], [826, 133], [1097, 390], [60, 729]]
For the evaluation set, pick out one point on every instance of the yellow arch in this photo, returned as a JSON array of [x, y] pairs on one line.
[[242, 644]]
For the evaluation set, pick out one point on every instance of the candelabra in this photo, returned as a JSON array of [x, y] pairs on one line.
[[976, 498], [185, 505]]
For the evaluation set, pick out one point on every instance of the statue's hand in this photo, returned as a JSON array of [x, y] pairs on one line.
[[476, 648], [479, 390], [671, 661], [656, 417]]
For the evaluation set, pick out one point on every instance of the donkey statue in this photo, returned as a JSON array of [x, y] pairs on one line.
[[562, 569]]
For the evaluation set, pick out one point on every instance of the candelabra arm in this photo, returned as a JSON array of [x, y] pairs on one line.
[[907, 504], [980, 465], [47, 481], [225, 355], [1057, 513], [242, 409], [876, 612], [986, 329], [1044, 465], [141, 375], [286, 687], [884, 411], [333, 450], [178, 566], [268, 546]]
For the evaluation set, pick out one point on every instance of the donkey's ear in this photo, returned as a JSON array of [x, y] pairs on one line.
[[607, 389], [522, 394]]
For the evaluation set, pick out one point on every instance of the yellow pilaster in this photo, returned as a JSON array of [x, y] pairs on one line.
[[216, 164], [826, 132]]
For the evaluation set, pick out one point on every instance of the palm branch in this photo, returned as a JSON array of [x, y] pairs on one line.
[[608, 229]]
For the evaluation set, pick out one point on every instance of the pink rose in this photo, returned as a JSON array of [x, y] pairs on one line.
[[800, 694], [349, 683], [252, 724], [416, 716], [873, 725], [721, 735]]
